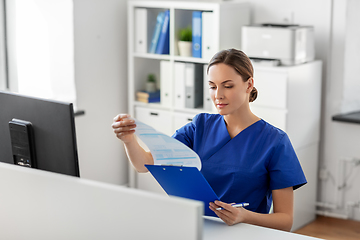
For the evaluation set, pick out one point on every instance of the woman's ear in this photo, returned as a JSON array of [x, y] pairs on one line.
[[250, 84]]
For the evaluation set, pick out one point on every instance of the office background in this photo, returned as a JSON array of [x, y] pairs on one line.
[[100, 60]]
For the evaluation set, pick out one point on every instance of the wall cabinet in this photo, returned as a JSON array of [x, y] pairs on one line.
[[156, 118], [290, 99]]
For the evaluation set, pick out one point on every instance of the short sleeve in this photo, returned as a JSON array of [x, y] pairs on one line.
[[284, 167], [186, 133]]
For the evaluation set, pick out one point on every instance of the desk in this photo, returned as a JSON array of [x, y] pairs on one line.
[[39, 205], [216, 229]]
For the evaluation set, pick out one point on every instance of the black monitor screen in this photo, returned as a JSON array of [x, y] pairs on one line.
[[53, 132]]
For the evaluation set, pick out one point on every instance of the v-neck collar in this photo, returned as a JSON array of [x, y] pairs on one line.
[[240, 133]]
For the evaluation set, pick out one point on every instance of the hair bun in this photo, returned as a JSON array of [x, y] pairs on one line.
[[253, 94]]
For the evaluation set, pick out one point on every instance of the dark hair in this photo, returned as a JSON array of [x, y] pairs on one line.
[[240, 62]]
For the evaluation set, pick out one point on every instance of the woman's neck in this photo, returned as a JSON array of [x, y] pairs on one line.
[[237, 122]]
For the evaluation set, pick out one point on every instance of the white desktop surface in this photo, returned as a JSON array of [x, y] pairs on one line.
[[36, 204], [216, 229], [40, 205]]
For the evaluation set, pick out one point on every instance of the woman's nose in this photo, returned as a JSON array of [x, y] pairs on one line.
[[219, 94]]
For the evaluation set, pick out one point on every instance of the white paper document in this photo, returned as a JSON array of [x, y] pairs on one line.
[[166, 150]]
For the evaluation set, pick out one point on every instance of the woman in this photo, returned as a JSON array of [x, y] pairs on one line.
[[244, 158]]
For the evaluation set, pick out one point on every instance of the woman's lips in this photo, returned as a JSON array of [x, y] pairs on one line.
[[221, 105]]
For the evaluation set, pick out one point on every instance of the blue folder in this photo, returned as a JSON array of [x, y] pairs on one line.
[[196, 34], [186, 182], [163, 43], [157, 30]]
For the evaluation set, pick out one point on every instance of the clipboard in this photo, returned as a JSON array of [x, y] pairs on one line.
[[186, 182]]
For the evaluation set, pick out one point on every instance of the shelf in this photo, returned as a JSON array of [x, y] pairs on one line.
[[152, 56], [182, 110], [353, 117], [191, 110], [150, 105], [169, 57], [190, 59]]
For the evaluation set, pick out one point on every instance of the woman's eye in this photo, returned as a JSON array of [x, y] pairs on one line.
[[228, 86], [211, 87]]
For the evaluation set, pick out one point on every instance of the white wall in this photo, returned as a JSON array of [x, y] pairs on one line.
[[101, 83], [351, 99], [2, 49], [341, 140], [40, 48]]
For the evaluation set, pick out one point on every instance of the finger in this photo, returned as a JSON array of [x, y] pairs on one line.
[[117, 118], [212, 204], [227, 211], [121, 116], [219, 204], [123, 123], [125, 129], [222, 212], [223, 216], [226, 206], [122, 134], [127, 121]]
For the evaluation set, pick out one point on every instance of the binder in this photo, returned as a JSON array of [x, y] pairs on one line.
[[193, 85], [163, 43], [186, 182], [207, 99], [208, 46], [179, 76], [141, 30], [196, 34], [157, 30], [165, 83]]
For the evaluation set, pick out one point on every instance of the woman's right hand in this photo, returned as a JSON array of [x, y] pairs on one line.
[[124, 127]]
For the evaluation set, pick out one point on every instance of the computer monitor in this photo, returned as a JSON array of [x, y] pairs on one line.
[[43, 128]]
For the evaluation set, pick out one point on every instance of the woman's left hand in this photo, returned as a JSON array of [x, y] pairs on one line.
[[229, 214]]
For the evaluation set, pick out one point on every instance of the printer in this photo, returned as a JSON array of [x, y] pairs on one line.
[[289, 44]]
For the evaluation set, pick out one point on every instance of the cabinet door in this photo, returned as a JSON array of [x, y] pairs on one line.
[[165, 83], [146, 182], [274, 116], [272, 87], [180, 119], [161, 120]]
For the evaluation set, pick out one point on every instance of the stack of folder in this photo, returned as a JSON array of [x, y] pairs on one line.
[[202, 38], [188, 85], [159, 40], [148, 97]]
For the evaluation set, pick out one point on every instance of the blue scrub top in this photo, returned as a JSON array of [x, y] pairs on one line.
[[247, 167]]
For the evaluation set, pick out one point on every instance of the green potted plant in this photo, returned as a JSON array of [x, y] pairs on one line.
[[151, 83], [185, 42]]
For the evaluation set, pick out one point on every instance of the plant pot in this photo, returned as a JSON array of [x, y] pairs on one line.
[[185, 48], [150, 87]]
